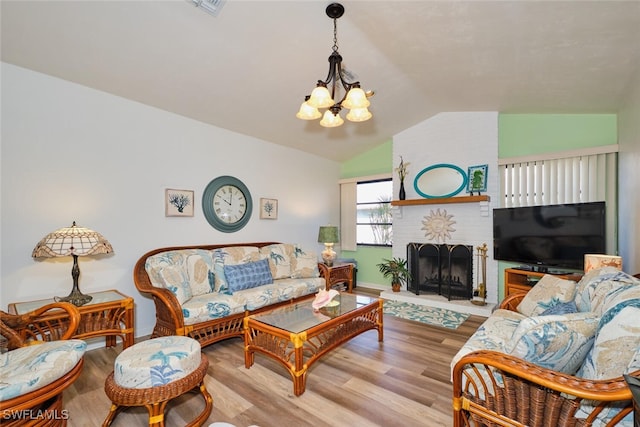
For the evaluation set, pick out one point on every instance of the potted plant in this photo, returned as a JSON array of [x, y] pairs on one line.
[[396, 269]]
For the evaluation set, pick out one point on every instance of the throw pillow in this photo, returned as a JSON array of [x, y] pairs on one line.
[[564, 308], [556, 342], [231, 255], [549, 291], [248, 275], [304, 264], [175, 279]]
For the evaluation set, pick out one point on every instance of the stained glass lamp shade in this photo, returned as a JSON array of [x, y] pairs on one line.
[[72, 241]]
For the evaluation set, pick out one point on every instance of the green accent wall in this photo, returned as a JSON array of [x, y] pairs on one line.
[[375, 161], [526, 134]]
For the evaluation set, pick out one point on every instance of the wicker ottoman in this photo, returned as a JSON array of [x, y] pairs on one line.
[[153, 372]]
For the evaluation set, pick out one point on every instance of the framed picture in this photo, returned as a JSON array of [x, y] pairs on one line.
[[178, 202], [477, 179], [268, 208]]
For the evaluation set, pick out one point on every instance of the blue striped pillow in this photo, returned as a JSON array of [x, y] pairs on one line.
[[248, 275]]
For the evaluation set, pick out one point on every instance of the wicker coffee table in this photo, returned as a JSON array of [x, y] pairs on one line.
[[296, 336]]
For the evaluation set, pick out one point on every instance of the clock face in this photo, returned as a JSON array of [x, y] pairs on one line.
[[227, 204]]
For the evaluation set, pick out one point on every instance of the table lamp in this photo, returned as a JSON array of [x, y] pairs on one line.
[[328, 235], [75, 241], [595, 261]]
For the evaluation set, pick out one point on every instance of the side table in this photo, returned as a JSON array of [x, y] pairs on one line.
[[337, 273], [108, 314]]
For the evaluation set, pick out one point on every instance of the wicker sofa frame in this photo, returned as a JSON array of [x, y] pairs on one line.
[[532, 395], [169, 318]]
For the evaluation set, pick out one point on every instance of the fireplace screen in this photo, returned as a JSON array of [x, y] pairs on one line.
[[442, 269]]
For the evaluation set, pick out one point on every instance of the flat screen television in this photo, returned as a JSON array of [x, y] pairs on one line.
[[551, 237]]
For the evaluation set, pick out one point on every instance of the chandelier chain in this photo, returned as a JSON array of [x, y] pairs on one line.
[[335, 35]]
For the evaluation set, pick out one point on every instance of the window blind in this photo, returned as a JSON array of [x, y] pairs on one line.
[[573, 177]]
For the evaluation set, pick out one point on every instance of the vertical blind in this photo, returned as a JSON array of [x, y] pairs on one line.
[[564, 178]]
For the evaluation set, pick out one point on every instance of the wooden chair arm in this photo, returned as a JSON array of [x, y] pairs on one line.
[[512, 301], [51, 322], [614, 389]]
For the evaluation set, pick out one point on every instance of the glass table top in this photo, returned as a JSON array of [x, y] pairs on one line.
[[299, 317], [98, 297]]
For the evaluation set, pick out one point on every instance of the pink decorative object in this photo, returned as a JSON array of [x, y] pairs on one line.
[[323, 298], [594, 261]]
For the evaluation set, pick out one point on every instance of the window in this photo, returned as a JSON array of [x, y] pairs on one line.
[[373, 217]]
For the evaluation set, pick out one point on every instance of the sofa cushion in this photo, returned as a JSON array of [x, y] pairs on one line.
[[190, 269], [616, 344], [548, 292], [212, 306], [599, 286], [26, 369], [557, 342], [231, 255], [156, 362], [280, 256], [494, 334], [280, 290], [248, 275], [175, 279], [304, 264]]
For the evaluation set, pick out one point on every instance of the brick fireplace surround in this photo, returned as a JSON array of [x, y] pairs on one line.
[[462, 139]]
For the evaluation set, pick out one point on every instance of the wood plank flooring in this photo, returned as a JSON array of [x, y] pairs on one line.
[[403, 381]]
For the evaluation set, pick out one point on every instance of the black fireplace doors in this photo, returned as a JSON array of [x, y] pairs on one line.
[[443, 269]]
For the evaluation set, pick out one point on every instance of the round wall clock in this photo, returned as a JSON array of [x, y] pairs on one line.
[[227, 204]]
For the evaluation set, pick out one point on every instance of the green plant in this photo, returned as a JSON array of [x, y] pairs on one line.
[[396, 269]]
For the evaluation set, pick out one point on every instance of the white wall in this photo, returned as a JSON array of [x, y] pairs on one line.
[[629, 178], [462, 139], [70, 153]]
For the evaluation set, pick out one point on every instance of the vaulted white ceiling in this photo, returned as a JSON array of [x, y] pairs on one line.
[[248, 69]]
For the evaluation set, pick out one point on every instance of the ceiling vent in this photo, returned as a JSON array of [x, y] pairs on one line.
[[210, 6]]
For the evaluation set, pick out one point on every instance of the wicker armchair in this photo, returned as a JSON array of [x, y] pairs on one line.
[[28, 334], [491, 388]]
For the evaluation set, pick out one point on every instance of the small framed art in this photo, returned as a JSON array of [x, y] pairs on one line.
[[268, 208], [178, 202], [477, 179]]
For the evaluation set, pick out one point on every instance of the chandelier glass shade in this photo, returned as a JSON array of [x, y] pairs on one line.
[[354, 98]]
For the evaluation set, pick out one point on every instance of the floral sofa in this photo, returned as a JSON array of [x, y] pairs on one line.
[[554, 356], [205, 292]]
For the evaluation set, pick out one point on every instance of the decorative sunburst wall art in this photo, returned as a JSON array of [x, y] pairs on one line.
[[438, 226]]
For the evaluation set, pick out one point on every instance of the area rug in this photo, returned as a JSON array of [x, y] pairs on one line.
[[425, 314]]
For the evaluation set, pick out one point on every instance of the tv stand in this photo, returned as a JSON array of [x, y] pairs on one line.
[[519, 280]]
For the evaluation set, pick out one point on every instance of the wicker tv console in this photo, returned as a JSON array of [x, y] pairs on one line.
[[170, 319]]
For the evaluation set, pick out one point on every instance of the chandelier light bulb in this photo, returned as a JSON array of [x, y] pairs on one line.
[[356, 98], [330, 120], [307, 112], [320, 98], [359, 115]]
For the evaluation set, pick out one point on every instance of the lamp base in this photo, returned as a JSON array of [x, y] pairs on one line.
[[76, 298], [328, 254]]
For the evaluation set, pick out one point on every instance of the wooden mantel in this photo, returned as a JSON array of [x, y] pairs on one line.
[[441, 200]]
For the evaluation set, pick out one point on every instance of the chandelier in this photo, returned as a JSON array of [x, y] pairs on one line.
[[354, 98]]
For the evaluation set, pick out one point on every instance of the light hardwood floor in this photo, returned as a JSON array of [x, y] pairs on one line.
[[403, 381]]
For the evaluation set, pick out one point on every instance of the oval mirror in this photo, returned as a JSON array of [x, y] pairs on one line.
[[441, 180]]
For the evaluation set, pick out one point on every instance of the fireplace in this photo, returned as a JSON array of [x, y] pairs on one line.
[[442, 269]]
